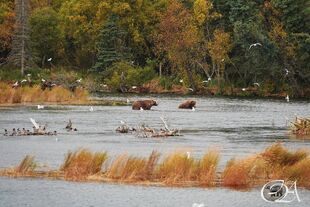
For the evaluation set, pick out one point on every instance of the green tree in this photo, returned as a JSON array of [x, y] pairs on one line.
[[112, 45], [45, 34]]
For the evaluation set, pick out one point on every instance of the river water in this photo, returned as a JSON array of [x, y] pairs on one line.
[[237, 127]]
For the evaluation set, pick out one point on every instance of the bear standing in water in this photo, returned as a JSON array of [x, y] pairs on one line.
[[187, 105], [144, 104]]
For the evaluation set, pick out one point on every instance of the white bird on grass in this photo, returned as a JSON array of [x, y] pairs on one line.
[[49, 60], [190, 89], [188, 155], [40, 107], [16, 84], [79, 80], [287, 98], [181, 81], [24, 81], [134, 87], [243, 89], [256, 84], [255, 45]]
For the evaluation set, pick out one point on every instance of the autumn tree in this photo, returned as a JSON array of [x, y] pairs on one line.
[[6, 28], [177, 36]]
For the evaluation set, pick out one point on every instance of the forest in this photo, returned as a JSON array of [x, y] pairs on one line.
[[228, 47]]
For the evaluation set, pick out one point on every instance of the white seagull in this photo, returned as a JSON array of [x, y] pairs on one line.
[[91, 109], [24, 81], [243, 89], [141, 109], [193, 109], [79, 80], [134, 87], [40, 107], [287, 98], [128, 102], [43, 80], [188, 155], [49, 60], [255, 45], [181, 81], [15, 84], [286, 71], [256, 84], [190, 89]]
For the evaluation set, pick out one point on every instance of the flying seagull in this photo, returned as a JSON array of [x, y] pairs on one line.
[[255, 45], [286, 71], [35, 124]]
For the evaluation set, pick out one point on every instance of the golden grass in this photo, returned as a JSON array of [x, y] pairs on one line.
[[300, 127], [82, 163], [9, 95], [177, 169], [276, 162], [132, 169]]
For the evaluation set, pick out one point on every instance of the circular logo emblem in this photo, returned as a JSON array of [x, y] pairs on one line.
[[274, 191]]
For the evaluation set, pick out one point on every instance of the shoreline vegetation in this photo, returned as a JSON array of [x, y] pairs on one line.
[[178, 169], [81, 96]]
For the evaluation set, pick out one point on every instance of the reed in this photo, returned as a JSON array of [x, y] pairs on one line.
[[26, 94], [275, 162], [132, 169], [207, 168], [26, 166], [177, 169], [82, 163]]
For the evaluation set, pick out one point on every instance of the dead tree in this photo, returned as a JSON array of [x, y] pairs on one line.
[[20, 55]]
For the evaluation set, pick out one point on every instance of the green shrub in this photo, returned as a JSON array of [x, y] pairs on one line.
[[133, 76]]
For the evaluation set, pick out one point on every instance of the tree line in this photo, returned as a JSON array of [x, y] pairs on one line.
[[227, 42]]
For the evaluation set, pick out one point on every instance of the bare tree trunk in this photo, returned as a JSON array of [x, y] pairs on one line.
[[20, 55], [160, 69]]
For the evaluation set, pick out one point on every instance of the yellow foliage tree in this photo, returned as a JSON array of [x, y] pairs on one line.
[[218, 49]]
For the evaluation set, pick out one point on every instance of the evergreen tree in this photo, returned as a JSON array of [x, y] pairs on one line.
[[112, 45]]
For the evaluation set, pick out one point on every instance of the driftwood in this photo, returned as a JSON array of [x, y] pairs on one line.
[[144, 131], [301, 126]]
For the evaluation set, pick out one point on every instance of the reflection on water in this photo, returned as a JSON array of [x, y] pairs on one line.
[[238, 127]]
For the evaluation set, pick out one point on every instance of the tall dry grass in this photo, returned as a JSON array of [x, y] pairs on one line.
[[26, 166], [82, 163], [132, 169], [9, 95], [275, 162], [179, 169]]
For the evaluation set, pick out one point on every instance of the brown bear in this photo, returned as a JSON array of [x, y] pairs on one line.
[[144, 104], [187, 105]]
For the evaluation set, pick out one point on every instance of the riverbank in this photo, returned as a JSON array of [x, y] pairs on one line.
[[177, 169]]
